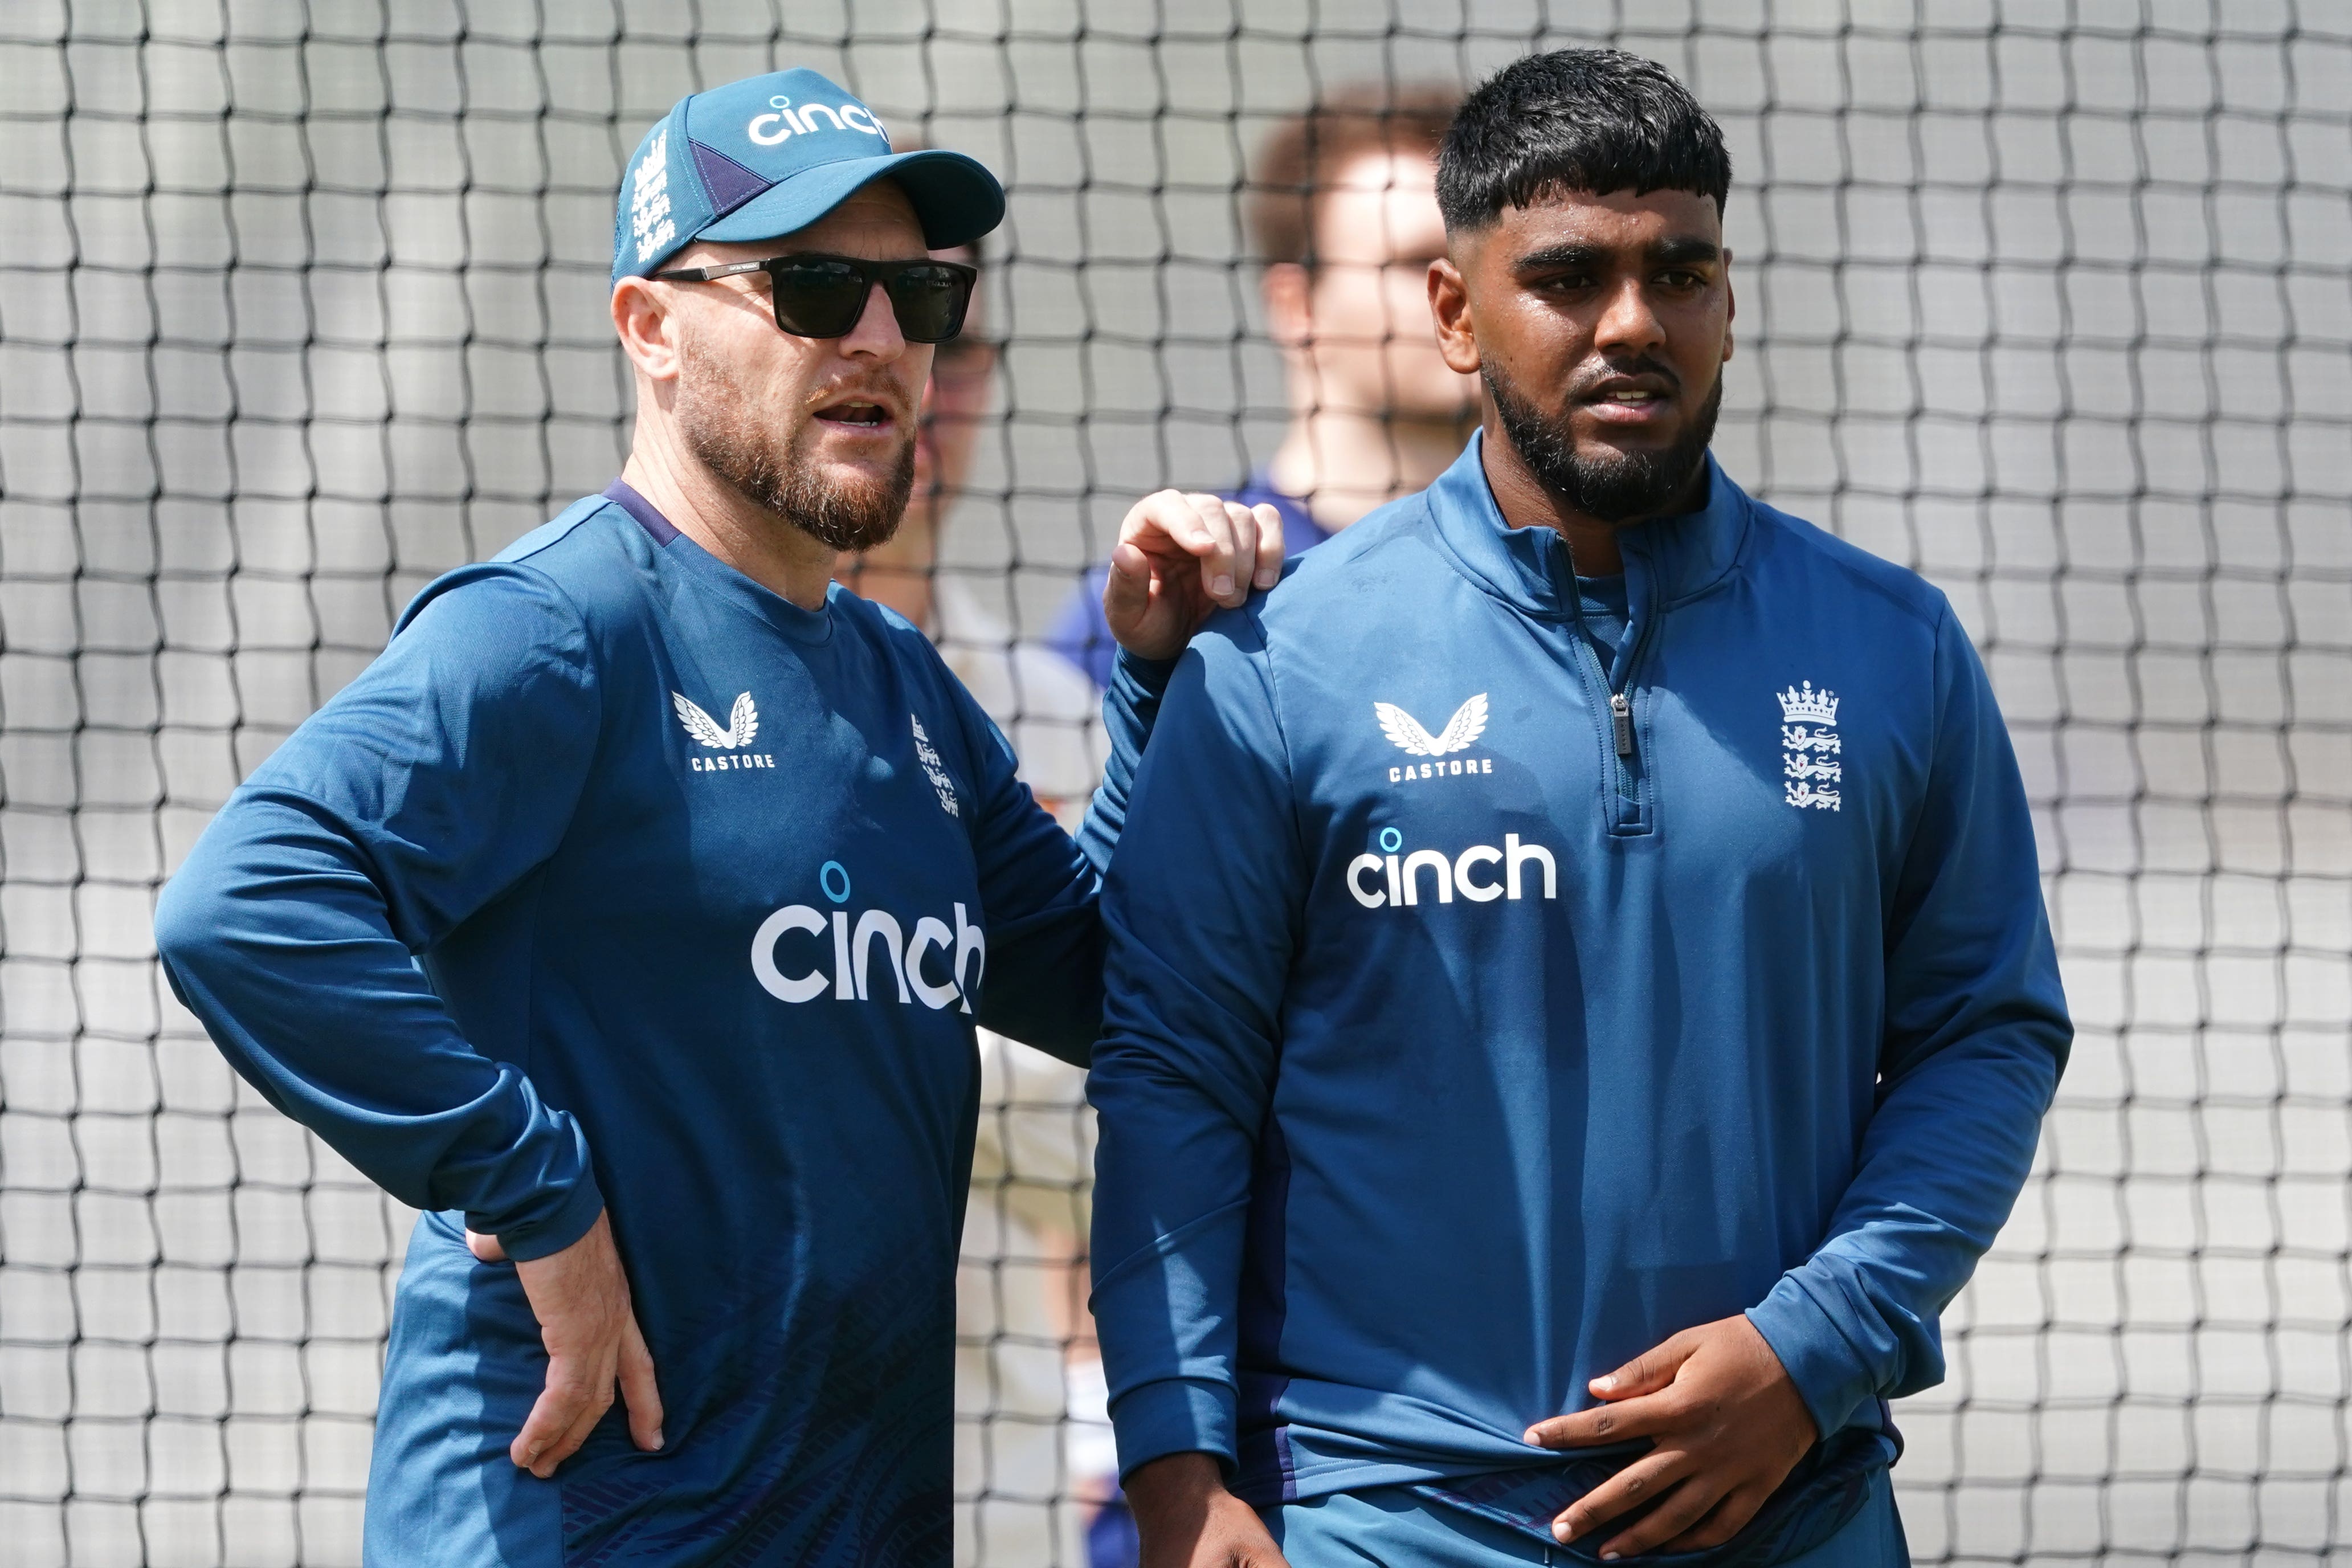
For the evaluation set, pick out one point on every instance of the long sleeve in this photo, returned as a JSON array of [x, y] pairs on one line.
[[427, 788], [1201, 907], [1976, 1035], [1130, 710], [1041, 889]]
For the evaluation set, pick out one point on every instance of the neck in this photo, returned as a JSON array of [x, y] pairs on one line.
[[1343, 462], [1527, 502], [904, 588], [768, 549]]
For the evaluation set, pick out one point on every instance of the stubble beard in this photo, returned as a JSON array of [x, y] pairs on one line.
[[776, 472], [1607, 485]]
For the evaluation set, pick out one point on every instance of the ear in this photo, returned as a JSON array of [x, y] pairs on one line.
[[646, 327], [1449, 307], [1289, 292], [1730, 305]]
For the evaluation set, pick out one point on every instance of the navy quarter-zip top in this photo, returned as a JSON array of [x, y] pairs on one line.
[[1482, 1011], [621, 885]]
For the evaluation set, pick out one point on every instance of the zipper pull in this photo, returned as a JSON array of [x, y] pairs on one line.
[[1622, 707]]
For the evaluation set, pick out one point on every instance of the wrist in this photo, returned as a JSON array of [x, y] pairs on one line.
[[1140, 678], [1831, 1376], [1172, 1486], [571, 1217], [1164, 649]]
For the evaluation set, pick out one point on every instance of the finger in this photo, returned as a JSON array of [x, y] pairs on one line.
[[1165, 523], [1127, 592], [1727, 1519], [1684, 1506], [1243, 522], [485, 1249], [1172, 530], [1647, 1372], [1216, 552], [551, 1415], [1646, 1478], [1637, 1417], [1270, 547], [592, 1411], [639, 1389]]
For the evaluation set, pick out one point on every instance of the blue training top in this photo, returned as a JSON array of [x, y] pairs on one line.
[[701, 888], [1482, 1012]]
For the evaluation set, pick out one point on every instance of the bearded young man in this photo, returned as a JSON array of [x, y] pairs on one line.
[[631, 912], [1626, 1009]]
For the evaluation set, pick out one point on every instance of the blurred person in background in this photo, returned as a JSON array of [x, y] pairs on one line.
[[1342, 210], [1047, 712], [1033, 1452]]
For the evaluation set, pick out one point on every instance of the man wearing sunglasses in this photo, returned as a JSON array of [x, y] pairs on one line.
[[634, 912]]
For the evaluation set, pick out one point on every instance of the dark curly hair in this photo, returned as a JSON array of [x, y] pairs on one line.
[[1591, 120]]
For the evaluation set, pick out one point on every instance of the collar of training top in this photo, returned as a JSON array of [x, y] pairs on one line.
[[1679, 556]]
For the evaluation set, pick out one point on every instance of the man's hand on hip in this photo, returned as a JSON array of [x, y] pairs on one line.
[[1727, 1426], [1186, 1518], [580, 1299], [1179, 558]]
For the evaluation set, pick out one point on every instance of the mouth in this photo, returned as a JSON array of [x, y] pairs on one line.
[[1630, 399], [857, 414]]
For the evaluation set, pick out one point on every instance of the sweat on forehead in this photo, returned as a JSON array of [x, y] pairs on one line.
[[1591, 121]]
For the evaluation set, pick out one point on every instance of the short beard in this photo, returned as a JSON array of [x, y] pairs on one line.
[[711, 410], [1613, 487]]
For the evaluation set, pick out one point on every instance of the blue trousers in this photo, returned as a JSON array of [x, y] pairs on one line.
[[1392, 1527]]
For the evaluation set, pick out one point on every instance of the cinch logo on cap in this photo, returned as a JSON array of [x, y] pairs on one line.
[[783, 120], [768, 156]]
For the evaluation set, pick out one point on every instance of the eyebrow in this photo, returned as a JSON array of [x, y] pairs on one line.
[[1684, 250]]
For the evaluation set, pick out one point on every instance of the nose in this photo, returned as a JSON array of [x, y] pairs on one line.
[[1627, 324], [876, 337]]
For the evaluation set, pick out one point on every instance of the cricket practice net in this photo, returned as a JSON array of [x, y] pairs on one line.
[[302, 304]]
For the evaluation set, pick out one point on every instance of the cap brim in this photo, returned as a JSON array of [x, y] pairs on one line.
[[956, 199]]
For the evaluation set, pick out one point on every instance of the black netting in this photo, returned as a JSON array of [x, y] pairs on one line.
[[300, 304]]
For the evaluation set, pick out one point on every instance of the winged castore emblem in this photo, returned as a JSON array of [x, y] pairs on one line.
[[1469, 722], [741, 724]]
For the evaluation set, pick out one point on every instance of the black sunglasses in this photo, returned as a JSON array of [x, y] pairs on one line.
[[823, 296]]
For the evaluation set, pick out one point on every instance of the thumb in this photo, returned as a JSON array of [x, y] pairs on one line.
[[1645, 1374], [638, 1391], [485, 1249], [1127, 594]]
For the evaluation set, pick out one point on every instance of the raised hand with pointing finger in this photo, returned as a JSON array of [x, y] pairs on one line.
[[1180, 558]]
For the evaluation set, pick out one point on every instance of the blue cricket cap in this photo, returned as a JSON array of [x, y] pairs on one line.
[[760, 158]]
